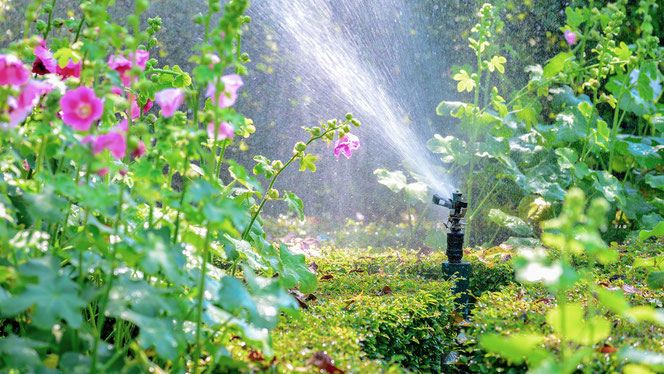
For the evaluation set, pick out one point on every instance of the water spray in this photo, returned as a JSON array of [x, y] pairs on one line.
[[455, 266]]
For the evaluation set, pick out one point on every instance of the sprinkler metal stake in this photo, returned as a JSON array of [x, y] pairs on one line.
[[455, 267]]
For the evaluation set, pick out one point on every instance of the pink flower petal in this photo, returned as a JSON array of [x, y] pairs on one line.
[[12, 71], [169, 100], [81, 107]]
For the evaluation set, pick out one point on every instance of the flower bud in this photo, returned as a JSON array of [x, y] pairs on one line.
[[349, 116], [272, 194], [300, 147], [253, 209], [277, 165], [355, 122], [316, 131], [141, 6]]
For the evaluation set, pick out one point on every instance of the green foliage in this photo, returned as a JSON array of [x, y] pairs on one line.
[[105, 257], [589, 118], [582, 327], [366, 321]]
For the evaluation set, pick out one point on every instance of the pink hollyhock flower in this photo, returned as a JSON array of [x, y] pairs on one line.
[[122, 64], [570, 37], [113, 141], [44, 61], [135, 111], [139, 151], [232, 84], [71, 70], [117, 90], [224, 131], [22, 106], [123, 125], [81, 107], [101, 172], [169, 100], [346, 145], [12, 71]]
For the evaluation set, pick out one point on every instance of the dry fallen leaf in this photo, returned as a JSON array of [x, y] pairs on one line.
[[256, 356], [327, 276], [324, 363], [356, 271], [607, 349], [385, 290]]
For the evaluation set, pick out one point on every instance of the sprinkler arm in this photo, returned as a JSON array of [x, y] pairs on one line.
[[457, 208]]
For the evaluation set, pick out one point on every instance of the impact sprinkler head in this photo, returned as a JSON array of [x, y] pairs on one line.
[[457, 208], [455, 267]]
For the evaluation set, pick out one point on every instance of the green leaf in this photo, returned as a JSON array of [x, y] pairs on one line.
[[453, 108], [53, 297], [307, 162], [295, 271], [20, 353], [394, 180], [64, 54], [295, 204], [253, 259], [655, 181], [163, 334], [656, 231], [452, 149], [613, 300], [568, 320], [645, 155], [46, 205], [556, 64], [655, 280], [415, 192], [513, 223], [516, 348], [466, 82], [609, 186], [497, 63], [575, 17]]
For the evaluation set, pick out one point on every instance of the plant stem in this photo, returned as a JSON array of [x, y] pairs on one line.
[[78, 30], [183, 192], [50, 15], [245, 233], [199, 301], [109, 284]]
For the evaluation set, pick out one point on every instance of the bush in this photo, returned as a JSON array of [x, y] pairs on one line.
[[368, 323], [522, 309]]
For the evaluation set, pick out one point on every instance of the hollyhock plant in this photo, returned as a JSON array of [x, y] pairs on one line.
[[135, 111], [44, 61], [123, 64], [21, 106], [12, 71], [70, 70], [224, 131], [169, 100], [346, 145], [570, 37], [113, 141], [232, 84], [81, 107]]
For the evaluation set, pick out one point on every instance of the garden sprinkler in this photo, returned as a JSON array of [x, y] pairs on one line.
[[455, 267]]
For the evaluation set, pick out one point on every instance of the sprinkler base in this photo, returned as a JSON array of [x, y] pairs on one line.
[[460, 271]]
